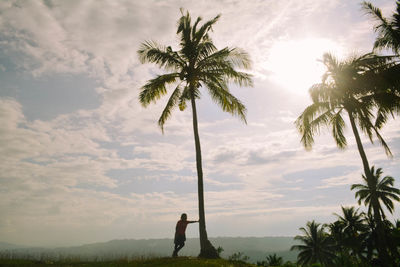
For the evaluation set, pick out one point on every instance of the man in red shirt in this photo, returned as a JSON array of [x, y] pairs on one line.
[[180, 236]]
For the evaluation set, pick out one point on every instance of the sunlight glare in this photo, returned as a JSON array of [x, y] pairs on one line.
[[295, 65]]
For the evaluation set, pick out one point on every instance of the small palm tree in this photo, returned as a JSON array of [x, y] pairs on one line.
[[353, 227], [317, 247], [273, 260], [375, 191], [197, 64], [336, 233], [352, 220], [388, 29]]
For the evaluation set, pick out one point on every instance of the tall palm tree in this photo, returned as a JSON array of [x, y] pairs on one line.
[[197, 64], [375, 191], [388, 29], [317, 247], [345, 89]]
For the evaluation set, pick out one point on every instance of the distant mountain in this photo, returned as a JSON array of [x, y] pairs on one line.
[[257, 248], [6, 246]]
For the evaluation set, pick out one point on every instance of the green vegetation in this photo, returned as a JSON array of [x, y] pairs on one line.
[[197, 64], [165, 262], [273, 260], [349, 241]]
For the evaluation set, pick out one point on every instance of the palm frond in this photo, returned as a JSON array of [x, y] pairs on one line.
[[184, 28], [367, 124], [152, 52], [388, 33], [204, 29], [228, 103], [155, 88], [338, 127], [311, 120], [227, 57], [172, 102], [239, 58]]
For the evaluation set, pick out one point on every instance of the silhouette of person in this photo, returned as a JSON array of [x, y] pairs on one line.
[[180, 236]]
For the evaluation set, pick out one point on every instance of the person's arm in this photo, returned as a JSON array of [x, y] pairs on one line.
[[193, 221]]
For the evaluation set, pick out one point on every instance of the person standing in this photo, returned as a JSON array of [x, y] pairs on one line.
[[180, 236]]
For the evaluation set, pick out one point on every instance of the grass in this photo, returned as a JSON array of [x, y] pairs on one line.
[[155, 262]]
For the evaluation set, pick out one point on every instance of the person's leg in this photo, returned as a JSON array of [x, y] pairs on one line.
[[179, 247], [175, 253]]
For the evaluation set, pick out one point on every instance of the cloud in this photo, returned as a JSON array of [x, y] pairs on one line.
[[257, 157], [347, 179]]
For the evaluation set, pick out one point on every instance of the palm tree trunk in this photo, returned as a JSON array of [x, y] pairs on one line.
[[381, 243], [360, 147], [206, 248]]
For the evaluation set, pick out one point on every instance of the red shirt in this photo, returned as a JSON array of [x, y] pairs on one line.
[[181, 227]]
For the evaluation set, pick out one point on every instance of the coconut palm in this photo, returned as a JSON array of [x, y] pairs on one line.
[[336, 233], [345, 89], [196, 64], [375, 191], [317, 247], [352, 220], [353, 227], [273, 260], [388, 29]]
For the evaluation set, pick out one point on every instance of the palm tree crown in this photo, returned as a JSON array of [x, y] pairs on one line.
[[377, 190], [317, 246], [388, 29], [346, 87], [352, 220], [198, 63]]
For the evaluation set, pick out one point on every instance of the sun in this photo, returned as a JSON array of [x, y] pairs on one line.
[[295, 64]]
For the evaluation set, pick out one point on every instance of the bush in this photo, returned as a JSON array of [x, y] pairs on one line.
[[238, 257]]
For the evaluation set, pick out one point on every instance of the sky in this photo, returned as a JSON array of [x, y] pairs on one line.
[[81, 161]]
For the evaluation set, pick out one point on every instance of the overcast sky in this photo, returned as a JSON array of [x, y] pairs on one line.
[[81, 161]]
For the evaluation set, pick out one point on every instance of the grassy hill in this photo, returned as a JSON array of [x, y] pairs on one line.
[[165, 262], [257, 248]]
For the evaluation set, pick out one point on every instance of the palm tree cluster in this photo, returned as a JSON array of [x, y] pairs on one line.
[[352, 240], [365, 89]]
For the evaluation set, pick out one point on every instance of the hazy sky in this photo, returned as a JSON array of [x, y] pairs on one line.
[[81, 161]]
